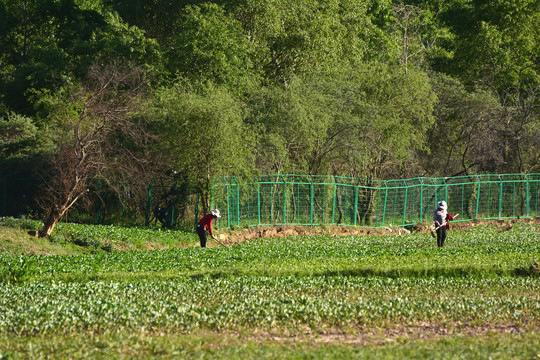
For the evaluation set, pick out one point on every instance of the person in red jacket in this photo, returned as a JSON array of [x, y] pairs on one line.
[[206, 223], [442, 219]]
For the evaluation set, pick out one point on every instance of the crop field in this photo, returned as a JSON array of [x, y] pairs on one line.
[[297, 297]]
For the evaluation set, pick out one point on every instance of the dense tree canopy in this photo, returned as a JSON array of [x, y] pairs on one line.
[[372, 89]]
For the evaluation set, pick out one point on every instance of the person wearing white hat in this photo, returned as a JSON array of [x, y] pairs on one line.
[[206, 223], [441, 218]]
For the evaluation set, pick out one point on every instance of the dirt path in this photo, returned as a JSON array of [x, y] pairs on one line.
[[230, 237]]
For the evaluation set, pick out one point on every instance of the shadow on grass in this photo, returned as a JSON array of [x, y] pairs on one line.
[[452, 272]]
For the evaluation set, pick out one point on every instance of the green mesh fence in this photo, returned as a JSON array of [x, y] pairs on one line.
[[332, 200], [294, 200]]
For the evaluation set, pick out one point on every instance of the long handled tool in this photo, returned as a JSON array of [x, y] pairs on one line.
[[437, 228], [217, 241]]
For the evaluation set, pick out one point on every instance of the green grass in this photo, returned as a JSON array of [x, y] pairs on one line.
[[299, 297], [228, 346], [80, 239]]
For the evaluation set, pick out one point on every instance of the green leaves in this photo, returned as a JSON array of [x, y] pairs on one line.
[[204, 133], [281, 284], [17, 271], [213, 47]]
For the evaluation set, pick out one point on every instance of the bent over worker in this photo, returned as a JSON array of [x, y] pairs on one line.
[[206, 223], [442, 218]]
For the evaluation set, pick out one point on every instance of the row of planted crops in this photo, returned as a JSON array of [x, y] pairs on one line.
[[286, 284]]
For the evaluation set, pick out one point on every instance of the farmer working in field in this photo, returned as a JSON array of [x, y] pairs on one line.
[[206, 222], [441, 218]]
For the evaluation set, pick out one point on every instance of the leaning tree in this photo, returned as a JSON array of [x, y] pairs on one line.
[[87, 120]]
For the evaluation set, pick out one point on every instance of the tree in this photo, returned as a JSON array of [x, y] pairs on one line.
[[468, 135], [418, 32], [45, 45], [385, 114], [35, 41], [19, 139], [496, 42], [299, 37], [212, 47], [522, 115], [90, 114], [293, 123], [203, 133]]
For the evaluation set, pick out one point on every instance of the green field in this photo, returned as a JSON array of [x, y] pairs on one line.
[[298, 297]]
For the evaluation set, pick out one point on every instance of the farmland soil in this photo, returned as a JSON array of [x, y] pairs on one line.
[[239, 235], [382, 336]]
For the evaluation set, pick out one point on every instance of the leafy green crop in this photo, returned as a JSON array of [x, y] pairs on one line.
[[283, 284], [18, 270], [480, 252]]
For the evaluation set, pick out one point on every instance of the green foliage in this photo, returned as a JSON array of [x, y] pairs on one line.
[[21, 142], [342, 76], [358, 123], [104, 236], [18, 270], [20, 223], [213, 47], [295, 38], [496, 42], [108, 238], [204, 134], [118, 40], [283, 284], [294, 123], [468, 134], [390, 112], [252, 346]]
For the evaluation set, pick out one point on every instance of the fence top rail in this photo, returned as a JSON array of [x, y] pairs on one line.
[[337, 180], [371, 183]]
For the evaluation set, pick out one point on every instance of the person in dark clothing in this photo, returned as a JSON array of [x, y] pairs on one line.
[[441, 218], [206, 223]]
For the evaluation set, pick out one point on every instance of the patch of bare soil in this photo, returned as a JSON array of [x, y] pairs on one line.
[[230, 237], [382, 336]]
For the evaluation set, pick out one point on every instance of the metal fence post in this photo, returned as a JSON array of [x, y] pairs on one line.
[[421, 200], [477, 197], [385, 199], [311, 200], [403, 221], [171, 218], [284, 200], [334, 201], [500, 195], [527, 194], [237, 202], [356, 188], [258, 203], [445, 189], [514, 200], [228, 208]]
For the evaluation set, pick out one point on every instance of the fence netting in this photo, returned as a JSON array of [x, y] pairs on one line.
[[333, 200], [291, 200]]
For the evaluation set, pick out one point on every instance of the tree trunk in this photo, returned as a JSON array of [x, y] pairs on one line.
[[55, 215], [50, 223]]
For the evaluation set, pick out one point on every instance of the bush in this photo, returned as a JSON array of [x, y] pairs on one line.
[[21, 223]]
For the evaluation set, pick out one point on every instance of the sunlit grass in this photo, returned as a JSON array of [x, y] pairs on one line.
[[317, 296]]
